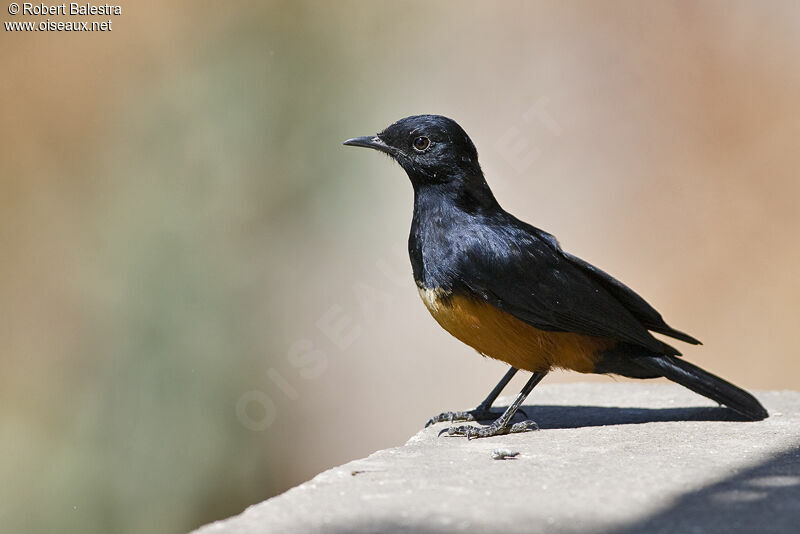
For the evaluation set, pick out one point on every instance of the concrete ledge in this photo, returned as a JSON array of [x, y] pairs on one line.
[[617, 457]]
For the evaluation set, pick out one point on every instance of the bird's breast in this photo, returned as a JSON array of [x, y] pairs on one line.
[[498, 334]]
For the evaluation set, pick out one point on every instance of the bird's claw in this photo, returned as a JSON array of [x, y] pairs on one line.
[[478, 414], [494, 429], [449, 417]]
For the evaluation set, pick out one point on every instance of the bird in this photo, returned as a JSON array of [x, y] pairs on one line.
[[508, 290]]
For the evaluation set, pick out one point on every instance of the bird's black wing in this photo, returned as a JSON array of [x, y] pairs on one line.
[[522, 271], [639, 308]]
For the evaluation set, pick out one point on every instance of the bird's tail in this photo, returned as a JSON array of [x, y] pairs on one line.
[[706, 384]]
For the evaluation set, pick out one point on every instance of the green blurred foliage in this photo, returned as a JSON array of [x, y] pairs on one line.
[[200, 174]]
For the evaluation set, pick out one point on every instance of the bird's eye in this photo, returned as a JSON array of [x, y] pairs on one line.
[[421, 143]]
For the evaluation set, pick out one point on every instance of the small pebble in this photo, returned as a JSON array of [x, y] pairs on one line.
[[504, 454]]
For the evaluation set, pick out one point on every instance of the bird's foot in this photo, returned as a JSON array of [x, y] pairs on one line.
[[495, 429], [472, 415], [478, 414]]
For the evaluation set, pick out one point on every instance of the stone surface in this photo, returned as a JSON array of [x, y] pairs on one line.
[[617, 457]]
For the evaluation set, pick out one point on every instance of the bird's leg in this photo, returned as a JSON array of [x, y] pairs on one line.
[[501, 426], [482, 412]]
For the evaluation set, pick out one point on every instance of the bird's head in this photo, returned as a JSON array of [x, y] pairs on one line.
[[432, 149]]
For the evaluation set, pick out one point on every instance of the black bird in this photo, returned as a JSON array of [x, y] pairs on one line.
[[508, 290]]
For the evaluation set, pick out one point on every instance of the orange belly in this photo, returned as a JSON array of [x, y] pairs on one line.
[[499, 335]]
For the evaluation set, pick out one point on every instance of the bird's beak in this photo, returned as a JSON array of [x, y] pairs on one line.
[[370, 142]]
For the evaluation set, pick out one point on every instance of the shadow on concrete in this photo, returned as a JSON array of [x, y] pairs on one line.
[[763, 499], [559, 417], [554, 417]]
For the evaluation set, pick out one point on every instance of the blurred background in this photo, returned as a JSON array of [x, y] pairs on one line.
[[206, 299]]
